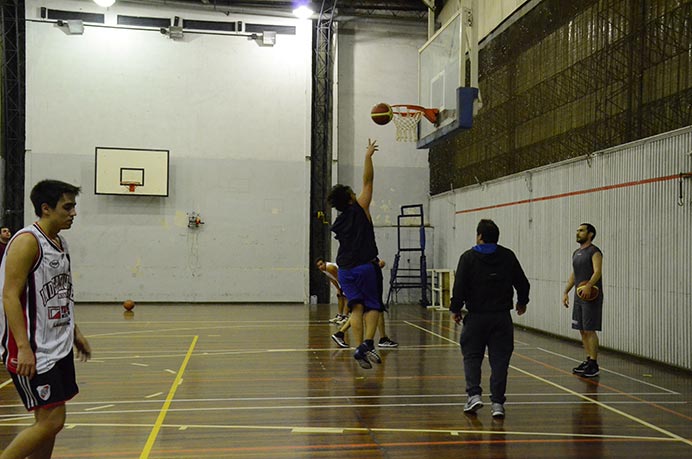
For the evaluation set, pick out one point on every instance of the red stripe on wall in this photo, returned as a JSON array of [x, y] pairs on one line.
[[575, 193]]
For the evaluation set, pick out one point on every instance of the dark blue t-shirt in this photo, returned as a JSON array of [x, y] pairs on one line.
[[356, 235]]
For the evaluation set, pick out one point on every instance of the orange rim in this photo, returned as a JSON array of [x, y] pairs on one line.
[[429, 113]]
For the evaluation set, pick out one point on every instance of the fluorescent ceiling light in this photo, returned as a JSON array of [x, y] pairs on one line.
[[104, 3], [303, 12]]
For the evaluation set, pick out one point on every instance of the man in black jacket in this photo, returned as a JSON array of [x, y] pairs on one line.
[[486, 277]]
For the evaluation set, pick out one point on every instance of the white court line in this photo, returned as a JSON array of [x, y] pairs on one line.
[[9, 381], [98, 407], [303, 429], [447, 339], [318, 430], [429, 332], [341, 406], [584, 397], [142, 333], [533, 396], [257, 351], [17, 418], [613, 372]]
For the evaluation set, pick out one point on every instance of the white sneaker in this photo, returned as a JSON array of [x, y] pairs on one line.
[[473, 404], [335, 320], [498, 410]]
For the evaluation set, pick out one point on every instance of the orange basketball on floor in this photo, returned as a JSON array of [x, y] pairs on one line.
[[381, 113], [592, 296], [128, 305]]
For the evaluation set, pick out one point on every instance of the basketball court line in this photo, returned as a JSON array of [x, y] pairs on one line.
[[584, 397], [345, 429], [164, 409], [245, 352], [646, 383], [283, 450], [147, 400], [613, 389], [459, 404]]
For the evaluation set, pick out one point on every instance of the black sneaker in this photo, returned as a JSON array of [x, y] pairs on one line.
[[338, 338], [578, 370], [591, 369], [386, 342], [361, 356]]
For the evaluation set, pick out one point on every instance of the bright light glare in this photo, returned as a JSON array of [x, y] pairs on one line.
[[303, 12], [104, 3]]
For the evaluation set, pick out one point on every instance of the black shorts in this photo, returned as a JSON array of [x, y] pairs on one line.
[[587, 315], [54, 387]]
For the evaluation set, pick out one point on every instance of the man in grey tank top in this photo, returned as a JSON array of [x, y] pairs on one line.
[[587, 262]]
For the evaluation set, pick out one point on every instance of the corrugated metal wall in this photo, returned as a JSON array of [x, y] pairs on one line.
[[631, 195]]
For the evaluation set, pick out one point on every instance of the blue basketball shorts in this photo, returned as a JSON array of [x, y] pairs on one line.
[[362, 285]]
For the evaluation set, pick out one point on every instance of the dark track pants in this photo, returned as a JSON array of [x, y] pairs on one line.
[[496, 332]]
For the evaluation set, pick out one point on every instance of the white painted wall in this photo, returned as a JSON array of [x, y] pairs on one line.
[[378, 62], [236, 119], [631, 195]]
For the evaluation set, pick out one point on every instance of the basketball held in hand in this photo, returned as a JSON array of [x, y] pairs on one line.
[[592, 295], [381, 113]]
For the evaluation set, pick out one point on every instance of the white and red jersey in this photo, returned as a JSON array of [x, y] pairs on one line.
[[47, 305]]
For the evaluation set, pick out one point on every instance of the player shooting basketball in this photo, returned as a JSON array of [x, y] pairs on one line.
[[360, 275], [38, 327]]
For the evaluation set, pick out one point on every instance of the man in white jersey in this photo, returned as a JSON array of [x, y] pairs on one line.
[[5, 235], [331, 270], [38, 331]]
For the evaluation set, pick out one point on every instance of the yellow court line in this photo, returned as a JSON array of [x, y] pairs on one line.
[[5, 383], [583, 397], [164, 409]]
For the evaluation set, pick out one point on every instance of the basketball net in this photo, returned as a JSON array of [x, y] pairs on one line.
[[406, 118], [406, 122]]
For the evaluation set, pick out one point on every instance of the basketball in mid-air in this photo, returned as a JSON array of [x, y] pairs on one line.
[[128, 305], [381, 113], [592, 295]]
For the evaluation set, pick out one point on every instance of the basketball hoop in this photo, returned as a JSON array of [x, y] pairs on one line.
[[406, 118], [130, 185]]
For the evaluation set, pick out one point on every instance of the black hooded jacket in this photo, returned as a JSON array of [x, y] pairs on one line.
[[484, 282]]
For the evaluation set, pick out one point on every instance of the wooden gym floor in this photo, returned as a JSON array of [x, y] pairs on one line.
[[266, 381]]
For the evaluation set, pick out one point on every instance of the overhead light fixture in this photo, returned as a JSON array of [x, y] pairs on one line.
[[303, 12], [104, 3]]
